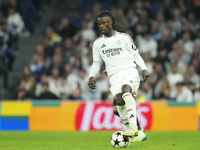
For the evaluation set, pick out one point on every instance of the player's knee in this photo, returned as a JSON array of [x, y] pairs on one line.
[[126, 89], [119, 100]]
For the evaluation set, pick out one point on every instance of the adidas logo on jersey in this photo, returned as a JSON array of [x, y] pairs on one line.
[[131, 116], [103, 46]]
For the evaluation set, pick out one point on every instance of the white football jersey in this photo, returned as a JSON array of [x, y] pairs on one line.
[[117, 52]]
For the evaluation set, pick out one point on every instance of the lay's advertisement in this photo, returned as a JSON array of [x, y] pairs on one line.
[[89, 116]]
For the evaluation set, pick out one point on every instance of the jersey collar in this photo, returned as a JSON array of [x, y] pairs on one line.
[[111, 36]]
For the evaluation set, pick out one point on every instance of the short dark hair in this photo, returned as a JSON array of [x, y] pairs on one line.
[[107, 13]]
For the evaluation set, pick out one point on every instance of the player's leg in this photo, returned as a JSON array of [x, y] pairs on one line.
[[121, 109], [122, 112], [130, 104], [116, 113], [116, 92], [141, 134], [117, 82]]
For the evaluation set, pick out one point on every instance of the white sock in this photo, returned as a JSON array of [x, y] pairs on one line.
[[131, 109], [123, 115]]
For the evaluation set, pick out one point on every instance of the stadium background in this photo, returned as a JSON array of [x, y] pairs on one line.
[[46, 41]]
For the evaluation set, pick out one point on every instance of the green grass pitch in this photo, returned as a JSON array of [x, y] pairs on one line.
[[95, 140]]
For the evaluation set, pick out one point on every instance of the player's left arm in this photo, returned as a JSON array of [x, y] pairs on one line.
[[138, 59], [140, 62]]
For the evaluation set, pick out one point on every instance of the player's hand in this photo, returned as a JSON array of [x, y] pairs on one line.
[[145, 75], [105, 72], [92, 83]]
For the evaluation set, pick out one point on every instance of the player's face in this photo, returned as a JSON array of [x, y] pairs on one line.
[[105, 25]]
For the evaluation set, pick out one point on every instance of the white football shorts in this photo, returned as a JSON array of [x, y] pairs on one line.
[[129, 76]]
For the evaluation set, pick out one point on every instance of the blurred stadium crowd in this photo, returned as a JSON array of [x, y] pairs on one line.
[[17, 18], [167, 34]]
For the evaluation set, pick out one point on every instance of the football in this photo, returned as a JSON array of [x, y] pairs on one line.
[[118, 140]]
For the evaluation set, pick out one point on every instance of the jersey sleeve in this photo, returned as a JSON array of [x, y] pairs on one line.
[[95, 68], [96, 55], [130, 45]]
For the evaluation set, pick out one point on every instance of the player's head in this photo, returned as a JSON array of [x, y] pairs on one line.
[[106, 22]]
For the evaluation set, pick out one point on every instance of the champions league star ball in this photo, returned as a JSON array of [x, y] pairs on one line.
[[118, 140]]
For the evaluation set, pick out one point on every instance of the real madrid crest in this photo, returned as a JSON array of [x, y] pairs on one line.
[[118, 42]]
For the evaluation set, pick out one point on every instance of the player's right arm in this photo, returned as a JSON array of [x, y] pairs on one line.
[[140, 62], [95, 67]]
